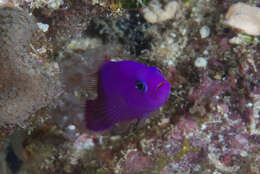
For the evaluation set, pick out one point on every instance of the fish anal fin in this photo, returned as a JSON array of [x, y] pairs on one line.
[[97, 116]]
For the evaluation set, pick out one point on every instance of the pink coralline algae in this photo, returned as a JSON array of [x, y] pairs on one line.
[[136, 162], [208, 90]]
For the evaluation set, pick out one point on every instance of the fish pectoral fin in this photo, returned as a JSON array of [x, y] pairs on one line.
[[91, 84]]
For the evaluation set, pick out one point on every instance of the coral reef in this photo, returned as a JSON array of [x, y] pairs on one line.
[[28, 81], [245, 18], [210, 125], [153, 13]]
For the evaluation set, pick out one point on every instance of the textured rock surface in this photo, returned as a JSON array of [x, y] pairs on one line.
[[28, 81], [245, 18], [154, 13]]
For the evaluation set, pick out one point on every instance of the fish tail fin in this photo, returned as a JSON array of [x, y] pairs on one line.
[[96, 117]]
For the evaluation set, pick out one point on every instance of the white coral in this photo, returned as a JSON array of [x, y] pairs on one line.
[[154, 13]]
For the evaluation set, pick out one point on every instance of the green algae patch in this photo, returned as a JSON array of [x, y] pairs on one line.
[[186, 148], [162, 161]]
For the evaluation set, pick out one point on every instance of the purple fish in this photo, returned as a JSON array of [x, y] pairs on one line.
[[126, 90]]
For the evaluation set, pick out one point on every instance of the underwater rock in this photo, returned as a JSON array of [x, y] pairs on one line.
[[210, 125], [136, 162], [28, 81], [254, 119], [201, 62], [5, 2], [52, 4], [245, 18], [130, 31], [154, 13]]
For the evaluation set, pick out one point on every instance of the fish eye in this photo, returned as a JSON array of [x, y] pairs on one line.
[[141, 86]]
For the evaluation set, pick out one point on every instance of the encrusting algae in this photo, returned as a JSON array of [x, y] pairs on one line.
[[28, 81]]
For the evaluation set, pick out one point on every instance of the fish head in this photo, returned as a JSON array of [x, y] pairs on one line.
[[146, 88]]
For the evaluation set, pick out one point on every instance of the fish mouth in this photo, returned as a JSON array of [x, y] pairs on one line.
[[159, 86]]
